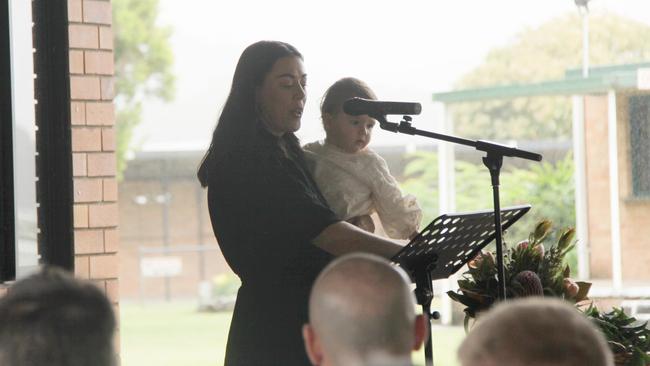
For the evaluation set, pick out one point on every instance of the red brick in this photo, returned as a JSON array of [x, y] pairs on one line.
[[81, 267], [86, 139], [111, 240], [3, 290], [98, 62], [88, 241], [76, 62], [84, 88], [108, 88], [74, 10], [102, 215], [103, 266], [97, 12], [79, 165], [113, 291], [78, 113], [87, 190], [108, 139], [100, 114], [80, 213], [100, 284], [83, 36], [101, 165], [110, 189], [105, 38]]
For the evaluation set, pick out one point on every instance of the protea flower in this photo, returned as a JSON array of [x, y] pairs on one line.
[[524, 244], [486, 258], [527, 283], [571, 288], [542, 230]]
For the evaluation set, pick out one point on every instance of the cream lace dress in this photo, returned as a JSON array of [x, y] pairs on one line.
[[360, 184]]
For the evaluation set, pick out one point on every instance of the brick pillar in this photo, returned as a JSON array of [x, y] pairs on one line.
[[93, 144]]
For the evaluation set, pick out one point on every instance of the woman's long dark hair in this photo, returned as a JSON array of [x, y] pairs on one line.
[[238, 119]]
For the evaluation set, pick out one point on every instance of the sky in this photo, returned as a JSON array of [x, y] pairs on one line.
[[404, 51]]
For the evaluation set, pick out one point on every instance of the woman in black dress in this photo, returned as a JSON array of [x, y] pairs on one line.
[[272, 224]]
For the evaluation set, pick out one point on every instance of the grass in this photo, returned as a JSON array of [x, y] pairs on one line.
[[175, 334]]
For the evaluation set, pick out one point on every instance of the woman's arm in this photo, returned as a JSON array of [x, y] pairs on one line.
[[342, 238]]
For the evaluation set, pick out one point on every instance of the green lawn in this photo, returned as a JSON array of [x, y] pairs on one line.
[[175, 334]]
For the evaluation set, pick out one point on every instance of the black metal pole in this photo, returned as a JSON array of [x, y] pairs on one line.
[[424, 295], [493, 162]]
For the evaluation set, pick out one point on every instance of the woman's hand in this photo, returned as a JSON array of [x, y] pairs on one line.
[[364, 222]]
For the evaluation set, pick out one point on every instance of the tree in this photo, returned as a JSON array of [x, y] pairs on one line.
[[143, 66], [538, 55], [548, 187]]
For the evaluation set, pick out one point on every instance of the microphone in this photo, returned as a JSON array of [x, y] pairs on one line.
[[375, 108]]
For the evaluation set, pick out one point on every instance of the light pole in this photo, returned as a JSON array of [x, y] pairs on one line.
[[579, 158], [583, 8]]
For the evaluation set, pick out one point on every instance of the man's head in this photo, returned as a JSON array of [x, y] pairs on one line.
[[534, 332], [50, 318], [361, 312]]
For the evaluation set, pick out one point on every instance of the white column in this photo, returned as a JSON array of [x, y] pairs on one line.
[[446, 189], [613, 191], [24, 136], [446, 197], [580, 183]]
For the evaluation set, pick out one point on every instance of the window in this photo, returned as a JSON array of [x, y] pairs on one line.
[[7, 238], [36, 224], [18, 236], [640, 144]]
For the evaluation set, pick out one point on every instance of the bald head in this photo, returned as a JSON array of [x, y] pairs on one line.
[[534, 332], [361, 306]]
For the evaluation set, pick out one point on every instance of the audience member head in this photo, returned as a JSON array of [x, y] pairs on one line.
[[362, 312], [51, 318], [349, 133], [534, 332]]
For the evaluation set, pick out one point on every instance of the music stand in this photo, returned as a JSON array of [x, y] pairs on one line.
[[444, 246]]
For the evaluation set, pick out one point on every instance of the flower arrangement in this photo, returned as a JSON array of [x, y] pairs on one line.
[[530, 270], [628, 339], [533, 270]]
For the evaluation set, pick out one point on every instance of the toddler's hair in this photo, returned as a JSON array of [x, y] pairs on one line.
[[342, 90]]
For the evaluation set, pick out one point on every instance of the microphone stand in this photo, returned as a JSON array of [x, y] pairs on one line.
[[493, 161]]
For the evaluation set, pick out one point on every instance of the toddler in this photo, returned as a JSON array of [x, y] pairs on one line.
[[355, 180]]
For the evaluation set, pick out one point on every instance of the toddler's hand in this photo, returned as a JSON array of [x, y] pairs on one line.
[[364, 222]]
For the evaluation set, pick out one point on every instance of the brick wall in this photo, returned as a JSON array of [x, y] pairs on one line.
[[634, 214], [597, 172], [93, 144], [141, 226]]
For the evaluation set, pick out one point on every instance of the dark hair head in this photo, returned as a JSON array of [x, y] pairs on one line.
[[342, 90], [239, 114], [50, 318]]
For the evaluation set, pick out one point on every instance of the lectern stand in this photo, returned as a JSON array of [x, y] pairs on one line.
[[444, 246]]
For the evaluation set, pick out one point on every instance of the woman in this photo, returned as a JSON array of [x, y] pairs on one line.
[[272, 224]]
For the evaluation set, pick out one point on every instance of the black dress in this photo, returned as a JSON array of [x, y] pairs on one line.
[[265, 209]]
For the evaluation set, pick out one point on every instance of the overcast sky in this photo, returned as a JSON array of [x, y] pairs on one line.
[[405, 50]]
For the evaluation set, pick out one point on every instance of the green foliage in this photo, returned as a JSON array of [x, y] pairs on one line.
[[539, 54], [422, 181], [547, 187], [225, 284], [143, 65], [628, 339]]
